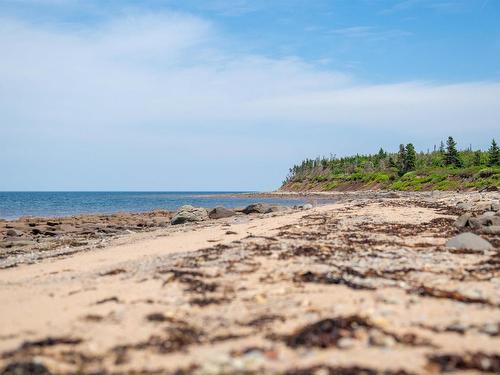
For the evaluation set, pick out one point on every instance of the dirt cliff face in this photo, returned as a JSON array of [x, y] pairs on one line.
[[363, 286]]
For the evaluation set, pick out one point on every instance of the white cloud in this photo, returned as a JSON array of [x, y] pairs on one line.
[[166, 79], [175, 69]]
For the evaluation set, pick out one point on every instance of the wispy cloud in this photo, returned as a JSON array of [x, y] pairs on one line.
[[168, 87], [436, 5], [370, 33]]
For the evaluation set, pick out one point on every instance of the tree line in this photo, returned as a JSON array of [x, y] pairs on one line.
[[405, 160]]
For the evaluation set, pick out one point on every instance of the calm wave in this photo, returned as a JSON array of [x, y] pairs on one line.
[[16, 204]]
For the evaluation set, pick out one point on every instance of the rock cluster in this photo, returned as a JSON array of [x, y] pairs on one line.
[[34, 233], [189, 213], [483, 217]]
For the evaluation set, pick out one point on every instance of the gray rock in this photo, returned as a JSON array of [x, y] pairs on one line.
[[306, 206], [257, 208], [474, 223], [15, 242], [463, 220], [492, 229], [488, 214], [14, 233], [189, 213], [482, 206], [220, 212], [277, 209], [464, 206], [495, 206], [469, 241]]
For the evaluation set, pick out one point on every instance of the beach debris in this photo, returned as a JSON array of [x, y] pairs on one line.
[[427, 291], [329, 278], [107, 300], [480, 361], [188, 213], [220, 212], [263, 320], [469, 241], [25, 368], [113, 272], [327, 332], [176, 338], [352, 370]]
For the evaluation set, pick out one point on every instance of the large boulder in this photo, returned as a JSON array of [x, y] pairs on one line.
[[189, 213], [264, 208], [257, 208], [220, 212], [468, 241]]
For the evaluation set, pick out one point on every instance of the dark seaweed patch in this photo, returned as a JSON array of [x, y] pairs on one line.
[[329, 278], [25, 368], [468, 361], [326, 332], [353, 370]]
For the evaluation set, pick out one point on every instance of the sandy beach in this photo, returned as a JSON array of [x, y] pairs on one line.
[[365, 285]]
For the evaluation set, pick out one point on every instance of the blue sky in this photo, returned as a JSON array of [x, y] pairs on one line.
[[226, 95]]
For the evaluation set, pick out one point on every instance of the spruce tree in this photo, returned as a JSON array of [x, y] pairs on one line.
[[410, 158], [441, 148], [392, 162], [451, 156], [402, 159], [476, 161], [493, 154]]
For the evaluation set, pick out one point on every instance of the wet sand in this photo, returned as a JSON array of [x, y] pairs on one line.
[[365, 285]]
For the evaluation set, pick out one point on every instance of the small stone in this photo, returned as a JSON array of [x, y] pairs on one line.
[[491, 329], [469, 241], [346, 343], [377, 338], [14, 233], [463, 220], [495, 206]]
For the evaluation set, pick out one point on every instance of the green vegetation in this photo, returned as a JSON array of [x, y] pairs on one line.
[[446, 168]]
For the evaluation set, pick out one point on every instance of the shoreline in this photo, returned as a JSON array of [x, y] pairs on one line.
[[265, 293]]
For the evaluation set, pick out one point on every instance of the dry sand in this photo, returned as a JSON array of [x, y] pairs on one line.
[[362, 286]]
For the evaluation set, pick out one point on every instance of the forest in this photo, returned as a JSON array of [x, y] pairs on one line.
[[444, 168]]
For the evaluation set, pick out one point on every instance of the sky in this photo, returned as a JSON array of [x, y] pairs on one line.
[[227, 95]]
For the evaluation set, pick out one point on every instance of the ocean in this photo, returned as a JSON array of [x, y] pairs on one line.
[[52, 204]]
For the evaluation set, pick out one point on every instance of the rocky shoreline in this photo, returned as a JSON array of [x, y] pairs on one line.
[[29, 239], [371, 284]]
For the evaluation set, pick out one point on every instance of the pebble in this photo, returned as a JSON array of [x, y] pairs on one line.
[[346, 343]]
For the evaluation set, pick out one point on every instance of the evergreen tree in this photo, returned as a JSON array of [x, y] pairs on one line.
[[493, 154], [402, 159], [392, 162], [476, 161], [451, 156], [441, 148], [410, 158]]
